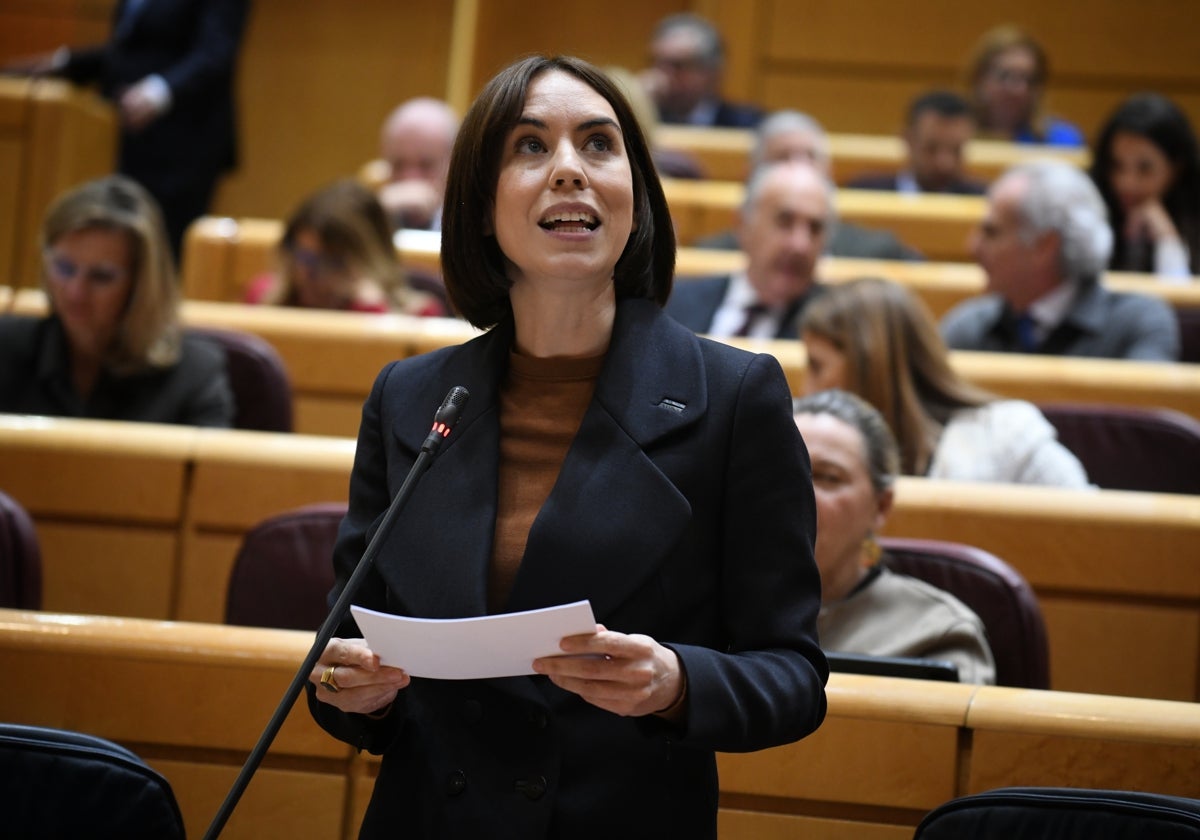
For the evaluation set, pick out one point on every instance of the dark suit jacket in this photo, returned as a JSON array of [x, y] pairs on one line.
[[684, 510], [729, 115], [694, 303], [1101, 324], [847, 240], [35, 378], [888, 183], [193, 45]]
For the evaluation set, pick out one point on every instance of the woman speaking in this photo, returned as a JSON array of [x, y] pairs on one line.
[[606, 453]]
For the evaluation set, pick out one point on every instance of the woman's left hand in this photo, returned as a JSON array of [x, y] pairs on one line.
[[630, 675]]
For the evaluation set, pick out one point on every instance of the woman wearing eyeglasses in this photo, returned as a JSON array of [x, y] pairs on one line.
[[111, 347], [1007, 77], [337, 253]]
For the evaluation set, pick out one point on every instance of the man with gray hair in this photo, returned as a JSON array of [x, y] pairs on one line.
[[795, 136], [684, 79], [782, 227], [1043, 244], [416, 140]]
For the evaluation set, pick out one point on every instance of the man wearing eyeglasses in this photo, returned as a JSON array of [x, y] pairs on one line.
[[684, 80]]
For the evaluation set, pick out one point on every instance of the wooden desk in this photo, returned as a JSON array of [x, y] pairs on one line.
[[939, 226], [192, 698], [725, 153], [1115, 571], [52, 136]]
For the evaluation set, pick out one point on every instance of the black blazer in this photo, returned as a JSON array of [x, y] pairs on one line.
[[888, 183], [193, 45], [684, 510], [694, 303]]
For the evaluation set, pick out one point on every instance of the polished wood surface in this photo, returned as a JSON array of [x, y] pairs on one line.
[[52, 137], [1114, 571], [192, 699]]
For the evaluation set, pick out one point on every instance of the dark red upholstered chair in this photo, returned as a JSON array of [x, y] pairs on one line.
[[1128, 448], [1189, 334], [284, 571], [996, 592], [261, 388], [20, 558], [1049, 813]]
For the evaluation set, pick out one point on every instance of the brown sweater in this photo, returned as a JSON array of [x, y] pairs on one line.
[[542, 402]]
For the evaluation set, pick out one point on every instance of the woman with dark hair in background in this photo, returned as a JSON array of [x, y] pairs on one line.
[[337, 253], [606, 453], [112, 347], [1147, 167]]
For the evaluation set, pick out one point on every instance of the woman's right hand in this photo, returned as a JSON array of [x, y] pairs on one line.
[[1150, 221], [363, 685]]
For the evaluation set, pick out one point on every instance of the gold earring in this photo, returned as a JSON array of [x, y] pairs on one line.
[[871, 550]]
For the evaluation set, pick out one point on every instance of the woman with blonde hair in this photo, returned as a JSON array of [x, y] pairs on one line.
[[112, 346], [876, 339], [337, 253], [1006, 77]]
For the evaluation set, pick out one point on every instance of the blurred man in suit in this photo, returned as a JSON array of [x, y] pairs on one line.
[[416, 141], [169, 69], [783, 223], [937, 128], [684, 79], [795, 136], [1043, 244]]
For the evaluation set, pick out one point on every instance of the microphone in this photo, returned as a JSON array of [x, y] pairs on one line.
[[445, 419], [443, 424]]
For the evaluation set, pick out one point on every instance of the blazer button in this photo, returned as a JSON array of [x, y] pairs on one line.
[[533, 789], [456, 783], [539, 719]]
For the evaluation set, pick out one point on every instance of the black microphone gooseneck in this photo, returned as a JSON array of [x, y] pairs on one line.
[[443, 423]]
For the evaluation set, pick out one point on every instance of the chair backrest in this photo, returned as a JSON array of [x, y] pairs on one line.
[[262, 391], [284, 571], [59, 783], [995, 591], [1189, 334], [1063, 814], [20, 558], [1131, 448]]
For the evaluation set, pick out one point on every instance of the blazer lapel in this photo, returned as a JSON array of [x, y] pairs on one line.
[[582, 544], [441, 545]]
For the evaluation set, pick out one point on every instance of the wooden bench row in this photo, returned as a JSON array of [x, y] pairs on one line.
[[333, 357], [724, 153], [145, 520], [223, 255], [192, 699]]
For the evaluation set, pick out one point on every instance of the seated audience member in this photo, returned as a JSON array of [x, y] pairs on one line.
[[790, 136], [112, 347], [782, 227], [865, 607], [876, 339], [337, 253], [1147, 167], [415, 142], [684, 79], [1043, 244], [1007, 76], [670, 163], [938, 126]]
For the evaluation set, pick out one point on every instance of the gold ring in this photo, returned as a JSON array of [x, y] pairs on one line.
[[328, 681]]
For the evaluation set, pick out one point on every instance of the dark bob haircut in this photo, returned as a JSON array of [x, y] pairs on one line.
[[1159, 120], [472, 263]]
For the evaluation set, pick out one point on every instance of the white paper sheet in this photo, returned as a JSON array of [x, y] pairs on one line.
[[472, 648]]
